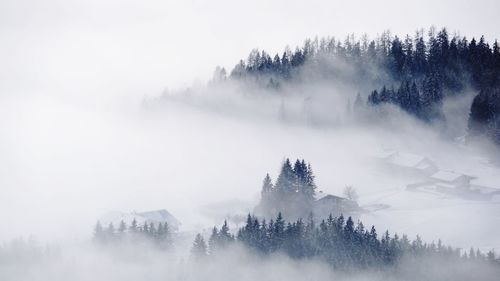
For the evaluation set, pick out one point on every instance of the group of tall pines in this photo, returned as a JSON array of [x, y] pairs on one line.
[[293, 193], [338, 241], [414, 73]]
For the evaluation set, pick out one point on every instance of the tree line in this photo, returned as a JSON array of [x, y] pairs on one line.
[[340, 242], [414, 72], [159, 234]]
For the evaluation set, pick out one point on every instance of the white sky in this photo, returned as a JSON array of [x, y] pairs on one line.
[[96, 49]]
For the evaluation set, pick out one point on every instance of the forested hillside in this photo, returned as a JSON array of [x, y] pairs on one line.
[[415, 73]]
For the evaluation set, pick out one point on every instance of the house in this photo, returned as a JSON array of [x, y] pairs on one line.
[[451, 179], [160, 216], [412, 163], [457, 184], [482, 186], [327, 204], [155, 217]]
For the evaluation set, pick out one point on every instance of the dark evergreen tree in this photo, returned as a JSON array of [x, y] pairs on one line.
[[133, 226], [199, 248], [286, 178], [267, 185]]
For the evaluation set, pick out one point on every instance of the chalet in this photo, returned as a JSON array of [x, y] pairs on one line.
[[160, 216], [458, 184], [326, 204], [450, 179], [482, 186], [407, 162], [155, 217]]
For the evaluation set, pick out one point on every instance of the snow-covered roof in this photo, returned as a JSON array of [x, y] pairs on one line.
[[320, 194], [157, 216], [116, 217], [445, 185], [486, 189], [332, 197], [449, 176], [160, 216]]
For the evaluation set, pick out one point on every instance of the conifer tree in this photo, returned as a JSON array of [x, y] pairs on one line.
[[213, 241], [286, 178], [121, 230], [133, 226], [110, 233], [267, 185], [199, 248], [99, 235]]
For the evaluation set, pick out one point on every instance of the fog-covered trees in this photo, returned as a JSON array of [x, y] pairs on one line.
[[453, 59], [99, 235], [415, 73], [484, 116], [219, 240], [159, 234], [341, 242], [199, 248], [293, 192]]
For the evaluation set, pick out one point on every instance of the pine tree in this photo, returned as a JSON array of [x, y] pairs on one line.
[[300, 171], [110, 233], [286, 179], [420, 60], [309, 182], [415, 106], [145, 229], [349, 227], [199, 248], [133, 226], [121, 230], [278, 233], [225, 238], [152, 231], [99, 235], [213, 241], [373, 98], [164, 236], [267, 186]]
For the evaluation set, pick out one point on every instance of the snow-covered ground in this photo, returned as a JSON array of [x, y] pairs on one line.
[[434, 215]]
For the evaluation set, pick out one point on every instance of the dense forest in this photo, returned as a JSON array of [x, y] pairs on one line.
[[414, 73], [340, 242], [293, 193], [343, 244]]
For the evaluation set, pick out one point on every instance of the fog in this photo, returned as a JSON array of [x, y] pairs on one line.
[[137, 264], [64, 165], [108, 106]]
